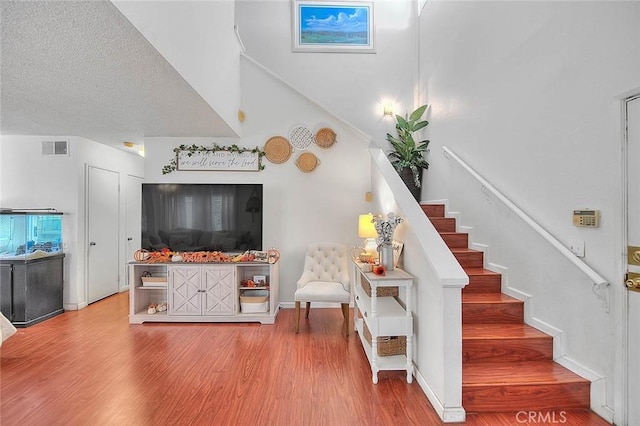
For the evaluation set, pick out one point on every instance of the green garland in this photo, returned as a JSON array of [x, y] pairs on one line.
[[190, 150]]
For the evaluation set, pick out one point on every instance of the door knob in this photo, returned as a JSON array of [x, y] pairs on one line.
[[92, 243], [633, 283]]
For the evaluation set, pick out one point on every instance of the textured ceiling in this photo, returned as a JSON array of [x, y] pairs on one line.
[[79, 68]]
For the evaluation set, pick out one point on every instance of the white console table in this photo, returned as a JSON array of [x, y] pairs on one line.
[[384, 316]]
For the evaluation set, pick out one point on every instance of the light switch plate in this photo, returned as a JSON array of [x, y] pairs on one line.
[[577, 248]]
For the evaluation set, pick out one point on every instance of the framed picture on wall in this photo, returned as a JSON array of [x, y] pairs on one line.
[[333, 26]]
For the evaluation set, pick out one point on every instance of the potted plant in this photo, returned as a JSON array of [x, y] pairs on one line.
[[408, 155]]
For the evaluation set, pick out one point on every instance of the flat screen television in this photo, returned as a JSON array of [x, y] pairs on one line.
[[202, 217]]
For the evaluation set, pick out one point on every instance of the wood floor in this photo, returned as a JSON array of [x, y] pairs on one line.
[[90, 367]]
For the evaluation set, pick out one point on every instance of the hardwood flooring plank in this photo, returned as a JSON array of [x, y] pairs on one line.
[[91, 367]]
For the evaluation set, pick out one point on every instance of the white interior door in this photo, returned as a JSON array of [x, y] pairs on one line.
[[102, 236], [633, 241], [133, 216]]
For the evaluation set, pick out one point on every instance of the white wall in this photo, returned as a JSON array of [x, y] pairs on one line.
[[529, 93], [352, 86], [299, 208], [30, 180], [198, 39]]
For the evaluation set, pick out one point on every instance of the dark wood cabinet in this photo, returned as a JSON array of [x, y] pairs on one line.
[[31, 290]]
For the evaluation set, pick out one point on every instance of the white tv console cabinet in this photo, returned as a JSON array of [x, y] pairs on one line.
[[201, 292]]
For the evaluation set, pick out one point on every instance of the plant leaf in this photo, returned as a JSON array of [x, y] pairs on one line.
[[420, 125], [415, 115]]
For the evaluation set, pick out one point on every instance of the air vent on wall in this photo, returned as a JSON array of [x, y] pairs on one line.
[[55, 147]]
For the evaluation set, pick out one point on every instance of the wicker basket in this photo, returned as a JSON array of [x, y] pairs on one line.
[[388, 345], [380, 291], [300, 137], [277, 149], [154, 281], [325, 137], [307, 162]]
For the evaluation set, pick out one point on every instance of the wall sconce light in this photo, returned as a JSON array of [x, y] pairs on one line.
[[387, 109]]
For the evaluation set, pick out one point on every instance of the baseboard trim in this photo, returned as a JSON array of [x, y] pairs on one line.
[[447, 415], [598, 400], [74, 306]]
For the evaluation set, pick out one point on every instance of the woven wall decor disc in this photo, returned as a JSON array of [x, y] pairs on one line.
[[301, 137], [325, 137], [277, 149], [307, 162]]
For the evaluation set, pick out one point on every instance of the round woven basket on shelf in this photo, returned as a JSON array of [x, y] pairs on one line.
[[325, 137], [307, 162], [301, 137], [277, 149]]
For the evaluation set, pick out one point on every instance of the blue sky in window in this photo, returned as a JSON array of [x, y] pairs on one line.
[[331, 18]]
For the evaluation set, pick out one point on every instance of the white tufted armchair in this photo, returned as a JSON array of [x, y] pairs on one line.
[[325, 279]]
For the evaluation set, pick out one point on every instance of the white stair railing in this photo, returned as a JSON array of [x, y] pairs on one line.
[[598, 281]]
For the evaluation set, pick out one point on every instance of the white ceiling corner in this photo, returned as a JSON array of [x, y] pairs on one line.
[[77, 68]]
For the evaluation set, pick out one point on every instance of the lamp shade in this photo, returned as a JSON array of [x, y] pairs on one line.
[[365, 226]]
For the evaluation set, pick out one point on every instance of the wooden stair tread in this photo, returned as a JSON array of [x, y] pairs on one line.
[[455, 239], [482, 281], [480, 271], [464, 250], [517, 373], [488, 298], [501, 331], [468, 258], [444, 224], [433, 210]]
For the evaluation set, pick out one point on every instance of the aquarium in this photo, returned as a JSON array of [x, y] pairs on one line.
[[27, 234]]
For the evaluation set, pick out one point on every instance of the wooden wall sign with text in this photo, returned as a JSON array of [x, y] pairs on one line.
[[219, 161]]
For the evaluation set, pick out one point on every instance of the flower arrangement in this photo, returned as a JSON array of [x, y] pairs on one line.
[[386, 227]]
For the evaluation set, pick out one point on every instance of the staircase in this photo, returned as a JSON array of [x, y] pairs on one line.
[[507, 366]]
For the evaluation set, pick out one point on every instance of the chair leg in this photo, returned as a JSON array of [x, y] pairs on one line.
[[296, 317], [345, 314], [307, 309]]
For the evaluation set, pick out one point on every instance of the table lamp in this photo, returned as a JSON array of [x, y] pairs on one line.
[[367, 230]]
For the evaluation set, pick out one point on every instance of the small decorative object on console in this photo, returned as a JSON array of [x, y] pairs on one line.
[[385, 230], [260, 256], [140, 255], [379, 270], [152, 308], [273, 255]]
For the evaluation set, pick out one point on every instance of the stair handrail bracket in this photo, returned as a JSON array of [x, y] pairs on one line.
[[599, 284]]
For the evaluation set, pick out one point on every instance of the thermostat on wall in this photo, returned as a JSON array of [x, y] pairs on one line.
[[586, 218]]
